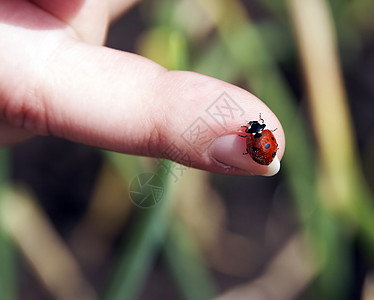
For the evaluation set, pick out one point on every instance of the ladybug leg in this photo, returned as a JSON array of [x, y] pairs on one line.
[[261, 119], [245, 153], [246, 127]]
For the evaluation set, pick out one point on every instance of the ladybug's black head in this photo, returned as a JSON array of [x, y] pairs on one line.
[[255, 127]]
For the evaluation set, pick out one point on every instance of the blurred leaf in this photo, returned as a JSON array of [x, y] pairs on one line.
[[7, 255]]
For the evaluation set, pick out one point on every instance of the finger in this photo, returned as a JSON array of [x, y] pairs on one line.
[[11, 135], [88, 18], [126, 103]]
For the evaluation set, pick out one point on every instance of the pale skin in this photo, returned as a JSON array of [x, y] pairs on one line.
[[57, 79]]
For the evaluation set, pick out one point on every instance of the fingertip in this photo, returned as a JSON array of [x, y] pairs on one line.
[[229, 151], [273, 168]]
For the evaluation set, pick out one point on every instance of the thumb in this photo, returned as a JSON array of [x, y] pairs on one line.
[[126, 103]]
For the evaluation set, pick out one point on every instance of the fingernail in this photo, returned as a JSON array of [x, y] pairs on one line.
[[228, 150], [273, 168]]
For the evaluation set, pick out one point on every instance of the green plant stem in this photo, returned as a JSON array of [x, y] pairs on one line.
[[187, 267]]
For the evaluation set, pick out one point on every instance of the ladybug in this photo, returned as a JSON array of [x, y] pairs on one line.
[[261, 143]]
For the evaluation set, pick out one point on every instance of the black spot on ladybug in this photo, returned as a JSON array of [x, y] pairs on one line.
[[274, 153], [267, 146], [272, 138], [254, 149]]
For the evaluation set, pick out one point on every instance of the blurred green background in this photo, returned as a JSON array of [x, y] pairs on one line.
[[69, 229]]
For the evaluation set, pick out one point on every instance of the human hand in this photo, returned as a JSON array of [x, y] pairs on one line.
[[57, 79]]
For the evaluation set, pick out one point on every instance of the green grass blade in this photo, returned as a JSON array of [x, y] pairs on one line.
[[142, 245], [186, 264]]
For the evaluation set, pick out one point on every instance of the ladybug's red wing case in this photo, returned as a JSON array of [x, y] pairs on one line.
[[261, 144], [262, 148]]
